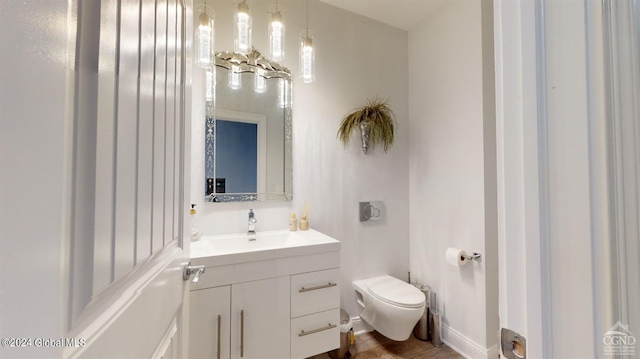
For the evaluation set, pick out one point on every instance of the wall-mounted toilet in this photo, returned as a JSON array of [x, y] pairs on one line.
[[389, 305]]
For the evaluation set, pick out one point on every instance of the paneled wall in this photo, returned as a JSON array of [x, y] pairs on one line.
[[133, 65], [92, 145]]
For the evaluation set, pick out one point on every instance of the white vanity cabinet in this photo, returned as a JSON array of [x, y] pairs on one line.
[[210, 323], [315, 312], [260, 319], [255, 307], [245, 320]]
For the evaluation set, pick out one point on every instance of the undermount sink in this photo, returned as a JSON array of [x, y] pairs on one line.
[[240, 248]]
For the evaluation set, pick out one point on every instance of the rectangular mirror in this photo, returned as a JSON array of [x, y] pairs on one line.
[[248, 139]]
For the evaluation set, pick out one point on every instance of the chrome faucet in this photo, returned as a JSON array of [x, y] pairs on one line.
[[252, 222]]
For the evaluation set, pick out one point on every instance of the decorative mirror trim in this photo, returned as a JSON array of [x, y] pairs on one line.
[[259, 65], [252, 62], [236, 197]]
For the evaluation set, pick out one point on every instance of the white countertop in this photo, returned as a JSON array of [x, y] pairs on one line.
[[228, 249]]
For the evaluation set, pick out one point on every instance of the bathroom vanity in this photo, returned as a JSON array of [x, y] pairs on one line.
[[270, 295]]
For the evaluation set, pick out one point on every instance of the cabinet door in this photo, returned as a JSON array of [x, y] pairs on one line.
[[260, 323], [210, 323]]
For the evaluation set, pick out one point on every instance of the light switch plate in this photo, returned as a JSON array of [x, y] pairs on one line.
[[371, 211]]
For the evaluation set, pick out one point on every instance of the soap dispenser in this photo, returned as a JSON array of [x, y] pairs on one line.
[[293, 222], [195, 233]]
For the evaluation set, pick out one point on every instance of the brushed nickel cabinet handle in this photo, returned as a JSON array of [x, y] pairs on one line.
[[328, 285], [242, 333], [219, 320], [329, 326]]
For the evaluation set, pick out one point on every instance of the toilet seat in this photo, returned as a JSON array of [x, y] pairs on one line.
[[396, 292]]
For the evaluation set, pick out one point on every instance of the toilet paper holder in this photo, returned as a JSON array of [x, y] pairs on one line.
[[472, 257], [459, 257]]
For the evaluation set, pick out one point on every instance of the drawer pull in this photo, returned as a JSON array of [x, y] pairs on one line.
[[242, 333], [218, 350], [329, 326], [328, 285]]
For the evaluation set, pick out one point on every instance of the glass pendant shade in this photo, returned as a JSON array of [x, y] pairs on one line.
[[242, 29], [260, 85], [210, 84], [307, 57], [276, 36], [205, 55], [234, 78], [284, 99]]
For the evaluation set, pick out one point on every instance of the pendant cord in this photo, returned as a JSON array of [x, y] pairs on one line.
[[307, 18]]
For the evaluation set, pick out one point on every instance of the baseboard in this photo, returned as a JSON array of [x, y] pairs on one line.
[[465, 346], [454, 340]]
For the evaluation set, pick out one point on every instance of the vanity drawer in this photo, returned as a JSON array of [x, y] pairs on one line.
[[315, 333], [315, 292]]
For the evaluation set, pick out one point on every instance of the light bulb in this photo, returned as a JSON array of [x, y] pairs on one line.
[[276, 37], [242, 29]]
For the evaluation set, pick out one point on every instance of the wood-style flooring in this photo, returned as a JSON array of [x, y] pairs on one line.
[[375, 345]]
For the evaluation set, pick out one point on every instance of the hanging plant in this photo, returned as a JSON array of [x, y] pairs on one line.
[[376, 122]]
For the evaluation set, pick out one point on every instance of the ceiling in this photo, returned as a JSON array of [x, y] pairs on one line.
[[403, 14]]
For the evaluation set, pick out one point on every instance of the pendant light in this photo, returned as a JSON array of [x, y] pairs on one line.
[[276, 35], [205, 54], [210, 85], [242, 29], [260, 82], [307, 54], [284, 93], [234, 78]]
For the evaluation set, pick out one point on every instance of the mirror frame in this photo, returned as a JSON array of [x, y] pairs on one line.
[[255, 63]]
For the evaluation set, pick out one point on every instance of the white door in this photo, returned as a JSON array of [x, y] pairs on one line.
[[557, 121], [130, 170], [94, 128], [543, 177], [131, 175]]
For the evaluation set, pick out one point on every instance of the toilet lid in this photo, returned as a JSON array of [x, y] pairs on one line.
[[396, 292]]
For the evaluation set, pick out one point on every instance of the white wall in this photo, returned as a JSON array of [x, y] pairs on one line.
[[34, 181], [452, 169], [357, 58]]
